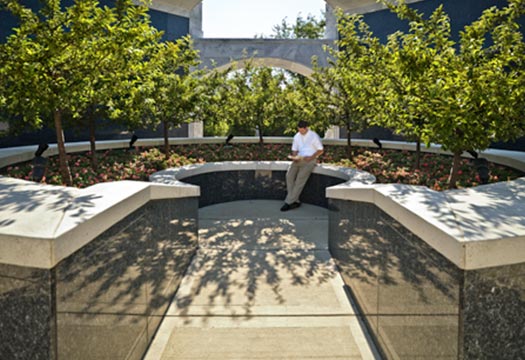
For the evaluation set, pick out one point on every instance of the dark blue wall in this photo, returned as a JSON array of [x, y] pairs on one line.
[[461, 13], [173, 26]]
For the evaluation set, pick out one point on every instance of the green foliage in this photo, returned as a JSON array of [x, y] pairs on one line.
[[343, 93], [462, 96], [309, 28], [175, 96], [212, 102], [59, 63], [253, 99]]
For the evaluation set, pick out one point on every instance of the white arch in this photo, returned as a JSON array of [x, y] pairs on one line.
[[270, 62]]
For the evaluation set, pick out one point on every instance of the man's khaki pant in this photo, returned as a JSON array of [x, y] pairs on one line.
[[296, 177]]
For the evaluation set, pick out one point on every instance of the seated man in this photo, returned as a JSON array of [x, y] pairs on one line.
[[306, 147]]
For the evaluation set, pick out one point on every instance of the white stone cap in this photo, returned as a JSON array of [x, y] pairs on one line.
[[474, 228], [42, 224], [174, 176]]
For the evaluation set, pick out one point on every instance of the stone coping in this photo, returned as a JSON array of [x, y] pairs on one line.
[[42, 224], [474, 228], [8, 156], [173, 176]]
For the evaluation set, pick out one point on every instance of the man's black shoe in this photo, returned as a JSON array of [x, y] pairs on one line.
[[285, 207], [295, 205]]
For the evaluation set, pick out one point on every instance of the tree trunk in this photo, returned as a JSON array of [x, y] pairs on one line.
[[348, 142], [166, 140], [452, 180], [92, 144], [62, 155], [418, 153], [261, 141]]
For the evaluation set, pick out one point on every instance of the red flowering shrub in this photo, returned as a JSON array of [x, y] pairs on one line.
[[388, 166]]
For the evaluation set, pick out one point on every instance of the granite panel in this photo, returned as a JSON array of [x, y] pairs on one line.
[[107, 299], [418, 304], [315, 189], [110, 277], [493, 313], [356, 250], [27, 308], [116, 289], [174, 222], [164, 275], [226, 186], [418, 337], [399, 283], [83, 336], [414, 278]]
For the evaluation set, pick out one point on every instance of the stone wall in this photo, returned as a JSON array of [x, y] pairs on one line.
[[106, 299], [225, 186], [415, 302]]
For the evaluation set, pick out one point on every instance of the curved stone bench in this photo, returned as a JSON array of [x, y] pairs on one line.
[[243, 180]]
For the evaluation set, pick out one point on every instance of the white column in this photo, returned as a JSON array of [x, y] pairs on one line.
[[196, 129], [196, 21], [332, 133], [330, 31]]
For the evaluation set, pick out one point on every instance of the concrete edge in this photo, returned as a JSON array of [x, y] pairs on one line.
[[88, 213], [415, 208], [176, 175]]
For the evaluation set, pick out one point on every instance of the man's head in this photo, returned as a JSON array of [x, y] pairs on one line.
[[302, 126]]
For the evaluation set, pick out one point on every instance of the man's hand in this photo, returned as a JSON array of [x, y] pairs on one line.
[[309, 158]]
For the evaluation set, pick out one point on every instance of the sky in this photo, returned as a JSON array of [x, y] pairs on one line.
[[247, 18]]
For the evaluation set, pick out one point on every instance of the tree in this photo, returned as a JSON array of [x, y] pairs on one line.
[[345, 91], [56, 60], [134, 42], [212, 102], [412, 66], [175, 95], [309, 28], [254, 98], [473, 95]]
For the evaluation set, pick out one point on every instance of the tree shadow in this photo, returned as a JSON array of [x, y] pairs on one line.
[[246, 264], [405, 286], [20, 199], [117, 288], [492, 211]]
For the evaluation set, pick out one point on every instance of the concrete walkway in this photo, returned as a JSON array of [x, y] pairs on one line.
[[262, 286]]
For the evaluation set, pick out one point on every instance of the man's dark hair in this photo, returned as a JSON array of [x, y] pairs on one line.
[[302, 124]]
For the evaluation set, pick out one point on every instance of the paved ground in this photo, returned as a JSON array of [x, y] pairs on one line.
[[262, 286]]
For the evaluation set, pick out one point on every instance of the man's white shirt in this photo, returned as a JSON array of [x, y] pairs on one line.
[[307, 144]]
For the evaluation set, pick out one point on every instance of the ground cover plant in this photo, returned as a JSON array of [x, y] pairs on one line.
[[388, 166]]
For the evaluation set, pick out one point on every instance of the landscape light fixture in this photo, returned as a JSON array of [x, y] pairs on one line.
[[132, 142], [482, 167], [228, 139], [39, 163], [378, 143], [473, 153]]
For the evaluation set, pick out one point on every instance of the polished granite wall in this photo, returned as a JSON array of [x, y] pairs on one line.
[[225, 186], [494, 313], [27, 302], [415, 302], [105, 300]]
